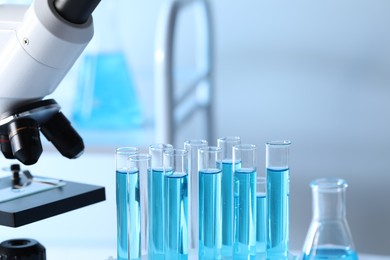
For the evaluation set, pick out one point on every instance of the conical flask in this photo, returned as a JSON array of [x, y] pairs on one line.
[[329, 236]]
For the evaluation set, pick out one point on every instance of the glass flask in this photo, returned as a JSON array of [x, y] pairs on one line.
[[106, 91], [329, 236]]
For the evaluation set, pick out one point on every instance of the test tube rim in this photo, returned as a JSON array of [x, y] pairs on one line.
[[245, 147], [329, 184], [229, 138], [127, 149], [210, 148], [279, 143], [196, 142], [140, 157], [160, 146]]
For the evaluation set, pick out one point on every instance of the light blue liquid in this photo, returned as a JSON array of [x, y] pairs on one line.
[[278, 192], [106, 97], [176, 215], [261, 228], [128, 190], [227, 207], [245, 213], [156, 215], [210, 214], [331, 253]]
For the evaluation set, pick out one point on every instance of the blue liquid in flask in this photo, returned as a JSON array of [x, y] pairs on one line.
[[106, 94], [261, 229], [176, 215], [128, 191], [278, 212], [156, 218], [245, 213], [331, 253], [210, 214]]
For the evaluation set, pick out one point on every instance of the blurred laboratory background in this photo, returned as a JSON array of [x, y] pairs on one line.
[[313, 72]]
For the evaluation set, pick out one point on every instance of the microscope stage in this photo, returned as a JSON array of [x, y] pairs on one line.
[[37, 206]]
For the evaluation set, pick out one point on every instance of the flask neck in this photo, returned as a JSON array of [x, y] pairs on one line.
[[329, 200]]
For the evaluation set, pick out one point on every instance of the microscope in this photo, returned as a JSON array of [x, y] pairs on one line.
[[38, 46]]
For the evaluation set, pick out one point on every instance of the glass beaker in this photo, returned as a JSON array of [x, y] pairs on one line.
[[210, 206], [278, 194], [192, 146], [226, 144], [156, 201], [122, 169], [329, 236], [176, 204], [244, 168]]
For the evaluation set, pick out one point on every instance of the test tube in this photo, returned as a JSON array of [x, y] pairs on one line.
[[261, 228], [122, 169], [210, 203], [244, 167], [139, 167], [192, 146], [176, 204], [278, 192], [156, 202], [226, 144]]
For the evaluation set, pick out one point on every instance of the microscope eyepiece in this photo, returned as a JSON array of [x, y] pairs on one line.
[[75, 11], [24, 139]]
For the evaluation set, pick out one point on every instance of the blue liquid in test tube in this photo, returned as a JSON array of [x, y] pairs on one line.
[[156, 243], [278, 211], [278, 193], [245, 213], [134, 208], [176, 210], [133, 214], [122, 170], [227, 203], [121, 193], [261, 223], [210, 214], [227, 144], [156, 205]]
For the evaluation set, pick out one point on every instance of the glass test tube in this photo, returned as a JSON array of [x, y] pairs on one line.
[[210, 203], [155, 197], [278, 193], [137, 207], [122, 169], [261, 228], [226, 144], [176, 204], [192, 147], [244, 167]]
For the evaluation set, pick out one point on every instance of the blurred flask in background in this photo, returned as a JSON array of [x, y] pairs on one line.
[[106, 96]]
